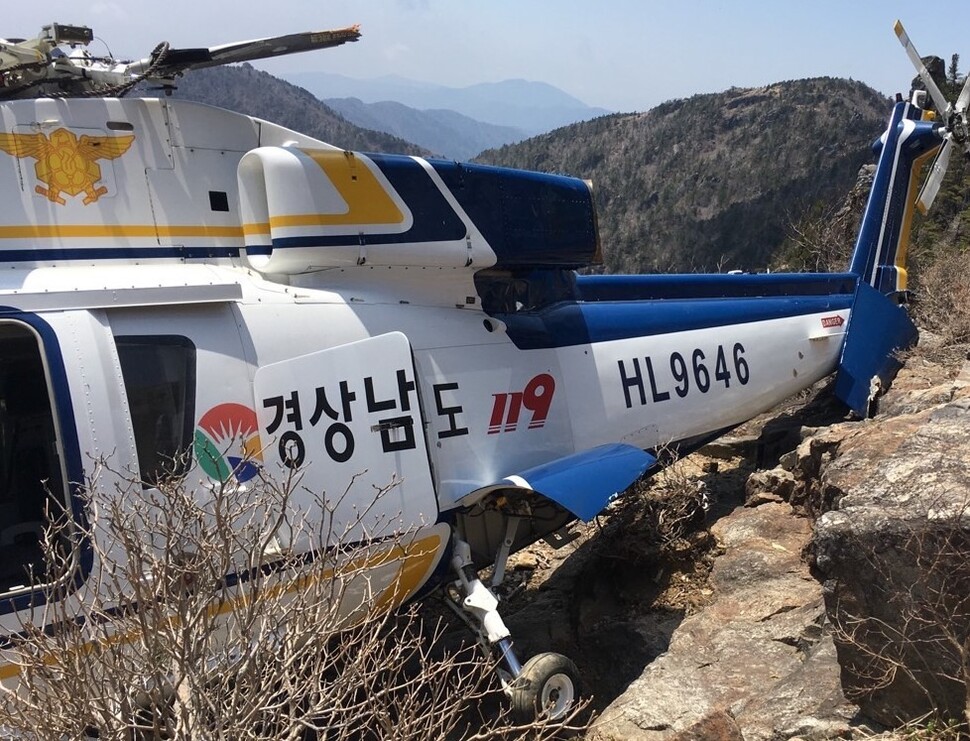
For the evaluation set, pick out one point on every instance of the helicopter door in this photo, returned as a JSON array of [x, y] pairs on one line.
[[40, 459], [348, 419]]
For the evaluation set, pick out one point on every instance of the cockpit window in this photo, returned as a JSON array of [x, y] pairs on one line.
[[32, 488], [159, 375]]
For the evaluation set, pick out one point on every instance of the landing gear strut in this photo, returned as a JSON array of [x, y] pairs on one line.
[[547, 686]]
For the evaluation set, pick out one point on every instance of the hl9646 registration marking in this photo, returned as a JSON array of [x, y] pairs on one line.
[[690, 372]]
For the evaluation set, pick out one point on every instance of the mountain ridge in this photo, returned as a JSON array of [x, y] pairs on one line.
[[532, 106], [712, 182], [445, 132], [247, 90]]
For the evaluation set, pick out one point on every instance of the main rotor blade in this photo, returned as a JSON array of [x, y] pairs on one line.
[[12, 55], [293, 43], [931, 187], [182, 60], [924, 74]]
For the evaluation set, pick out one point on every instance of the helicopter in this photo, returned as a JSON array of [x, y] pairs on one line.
[[179, 277]]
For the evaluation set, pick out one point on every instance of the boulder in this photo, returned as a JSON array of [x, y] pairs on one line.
[[745, 655], [894, 556]]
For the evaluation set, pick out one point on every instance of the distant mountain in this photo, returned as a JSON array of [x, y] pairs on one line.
[[247, 90], [446, 133], [714, 181], [534, 107]]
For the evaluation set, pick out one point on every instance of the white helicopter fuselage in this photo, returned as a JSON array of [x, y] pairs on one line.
[[411, 343], [186, 278]]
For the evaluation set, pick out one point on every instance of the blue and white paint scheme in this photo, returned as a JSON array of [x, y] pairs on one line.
[[383, 317]]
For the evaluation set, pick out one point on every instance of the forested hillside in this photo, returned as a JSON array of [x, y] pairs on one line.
[[714, 181]]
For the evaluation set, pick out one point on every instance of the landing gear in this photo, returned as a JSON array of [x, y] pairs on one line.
[[547, 686]]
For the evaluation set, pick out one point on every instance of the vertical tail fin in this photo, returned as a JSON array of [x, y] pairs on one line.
[[879, 258], [878, 325]]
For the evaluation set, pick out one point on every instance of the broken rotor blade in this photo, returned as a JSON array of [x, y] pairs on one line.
[[12, 55], [177, 61], [924, 74], [931, 187], [964, 99]]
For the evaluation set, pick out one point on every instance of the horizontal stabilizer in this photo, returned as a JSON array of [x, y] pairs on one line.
[[878, 328], [584, 483]]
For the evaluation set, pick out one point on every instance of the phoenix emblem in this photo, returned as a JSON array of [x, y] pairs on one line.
[[66, 163]]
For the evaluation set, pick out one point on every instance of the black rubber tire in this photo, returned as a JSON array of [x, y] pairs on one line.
[[548, 687]]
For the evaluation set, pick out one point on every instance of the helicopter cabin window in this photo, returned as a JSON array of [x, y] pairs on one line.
[[159, 375], [31, 479]]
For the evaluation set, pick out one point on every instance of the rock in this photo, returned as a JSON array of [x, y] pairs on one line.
[[758, 655], [742, 655], [895, 561], [795, 479], [718, 726], [726, 448], [788, 460], [776, 485], [808, 703], [922, 385]]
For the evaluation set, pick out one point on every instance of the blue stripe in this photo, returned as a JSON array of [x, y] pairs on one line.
[[434, 220], [636, 287], [568, 324], [43, 254]]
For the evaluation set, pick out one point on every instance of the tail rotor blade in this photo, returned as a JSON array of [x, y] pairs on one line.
[[964, 98], [935, 179], [931, 87]]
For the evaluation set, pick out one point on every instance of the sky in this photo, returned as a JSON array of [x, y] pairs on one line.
[[622, 55]]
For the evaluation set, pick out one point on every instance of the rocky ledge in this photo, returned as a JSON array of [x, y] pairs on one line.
[[837, 594]]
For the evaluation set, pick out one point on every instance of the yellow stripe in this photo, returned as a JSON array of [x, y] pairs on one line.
[[255, 229], [9, 670], [367, 200], [368, 203], [902, 248], [416, 560], [50, 231]]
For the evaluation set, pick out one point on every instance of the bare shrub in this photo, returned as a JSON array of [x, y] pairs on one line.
[[666, 511], [905, 642], [207, 615], [822, 237], [817, 241], [943, 297]]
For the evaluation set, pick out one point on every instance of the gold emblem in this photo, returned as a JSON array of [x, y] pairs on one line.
[[66, 163]]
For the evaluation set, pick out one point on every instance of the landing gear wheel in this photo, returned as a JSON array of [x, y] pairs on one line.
[[547, 688]]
